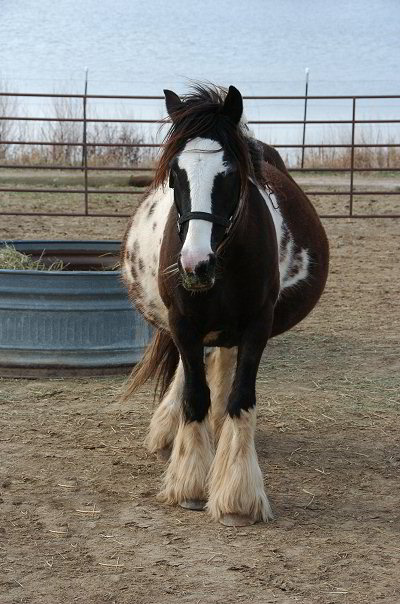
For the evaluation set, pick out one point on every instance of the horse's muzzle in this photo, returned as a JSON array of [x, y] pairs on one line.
[[201, 278]]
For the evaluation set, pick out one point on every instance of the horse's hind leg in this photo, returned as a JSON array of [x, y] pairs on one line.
[[236, 490], [220, 373], [185, 481], [165, 421]]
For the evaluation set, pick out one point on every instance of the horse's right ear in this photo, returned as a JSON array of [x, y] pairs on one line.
[[173, 103]]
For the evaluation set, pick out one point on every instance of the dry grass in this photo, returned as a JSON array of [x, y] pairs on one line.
[[12, 259], [364, 157], [125, 136]]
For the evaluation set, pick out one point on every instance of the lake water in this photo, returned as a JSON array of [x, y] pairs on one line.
[[261, 46]]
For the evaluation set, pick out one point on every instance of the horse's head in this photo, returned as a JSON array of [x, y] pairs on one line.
[[206, 180]]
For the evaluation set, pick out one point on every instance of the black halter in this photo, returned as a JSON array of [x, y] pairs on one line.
[[225, 222], [214, 218]]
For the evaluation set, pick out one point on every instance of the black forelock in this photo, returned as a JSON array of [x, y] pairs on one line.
[[201, 115]]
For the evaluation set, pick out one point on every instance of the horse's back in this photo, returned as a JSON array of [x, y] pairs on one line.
[[273, 157]]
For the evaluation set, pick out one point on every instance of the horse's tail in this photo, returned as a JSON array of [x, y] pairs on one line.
[[159, 361]]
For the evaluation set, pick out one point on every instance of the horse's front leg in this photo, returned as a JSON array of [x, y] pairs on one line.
[[237, 495], [185, 481], [221, 363]]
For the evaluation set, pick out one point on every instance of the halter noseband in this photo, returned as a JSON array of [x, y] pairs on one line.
[[209, 217], [225, 222], [214, 218]]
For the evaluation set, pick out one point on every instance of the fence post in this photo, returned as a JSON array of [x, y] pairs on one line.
[[305, 117], [353, 128], [84, 147]]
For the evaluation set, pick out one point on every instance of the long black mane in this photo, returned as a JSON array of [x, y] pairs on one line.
[[201, 115]]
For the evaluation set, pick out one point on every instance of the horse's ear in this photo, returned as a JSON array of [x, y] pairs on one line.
[[173, 103], [233, 105]]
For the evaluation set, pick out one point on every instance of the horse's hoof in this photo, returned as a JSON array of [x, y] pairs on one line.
[[164, 454], [236, 520], [193, 504]]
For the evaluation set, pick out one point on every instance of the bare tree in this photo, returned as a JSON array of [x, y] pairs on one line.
[[8, 108], [62, 131]]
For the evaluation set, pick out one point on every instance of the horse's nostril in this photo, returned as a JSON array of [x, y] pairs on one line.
[[202, 270], [187, 268], [205, 270], [197, 273]]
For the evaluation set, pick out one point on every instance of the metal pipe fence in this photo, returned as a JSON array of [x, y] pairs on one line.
[[85, 145]]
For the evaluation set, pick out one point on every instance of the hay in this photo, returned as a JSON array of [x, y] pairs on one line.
[[11, 259]]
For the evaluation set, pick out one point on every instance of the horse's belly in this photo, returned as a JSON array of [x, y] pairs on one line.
[[141, 255]]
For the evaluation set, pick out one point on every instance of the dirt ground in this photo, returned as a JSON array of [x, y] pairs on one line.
[[79, 519], [121, 203]]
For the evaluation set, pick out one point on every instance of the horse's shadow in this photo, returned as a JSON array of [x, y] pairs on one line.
[[323, 478]]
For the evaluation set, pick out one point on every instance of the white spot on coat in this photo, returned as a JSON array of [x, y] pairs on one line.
[[149, 241], [293, 261]]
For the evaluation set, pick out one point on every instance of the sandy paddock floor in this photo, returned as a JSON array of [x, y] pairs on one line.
[[79, 519]]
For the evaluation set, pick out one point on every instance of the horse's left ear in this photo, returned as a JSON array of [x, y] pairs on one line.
[[233, 105], [173, 103]]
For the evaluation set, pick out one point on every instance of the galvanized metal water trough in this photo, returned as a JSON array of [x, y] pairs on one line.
[[77, 321]]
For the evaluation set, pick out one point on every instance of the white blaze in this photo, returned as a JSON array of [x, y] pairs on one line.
[[202, 159]]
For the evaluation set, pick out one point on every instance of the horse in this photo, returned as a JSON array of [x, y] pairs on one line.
[[224, 252]]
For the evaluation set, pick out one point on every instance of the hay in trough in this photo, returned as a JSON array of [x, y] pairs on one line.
[[12, 259]]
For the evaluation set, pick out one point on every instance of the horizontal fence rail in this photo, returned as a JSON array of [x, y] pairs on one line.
[[86, 147]]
